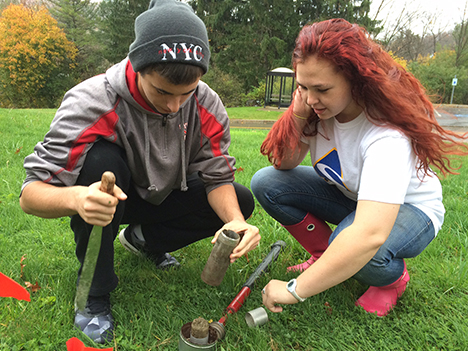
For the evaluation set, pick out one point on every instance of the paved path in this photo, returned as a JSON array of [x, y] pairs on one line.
[[451, 117]]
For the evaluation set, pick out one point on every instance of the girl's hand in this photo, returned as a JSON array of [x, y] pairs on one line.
[[275, 292], [300, 107]]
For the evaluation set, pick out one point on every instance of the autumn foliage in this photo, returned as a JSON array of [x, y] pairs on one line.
[[35, 57]]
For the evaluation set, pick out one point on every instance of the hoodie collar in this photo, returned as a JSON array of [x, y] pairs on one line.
[[131, 78]]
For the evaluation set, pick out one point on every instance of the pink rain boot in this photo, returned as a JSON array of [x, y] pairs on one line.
[[313, 234], [382, 299]]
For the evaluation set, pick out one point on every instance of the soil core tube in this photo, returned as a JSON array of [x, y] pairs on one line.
[[219, 261], [199, 332]]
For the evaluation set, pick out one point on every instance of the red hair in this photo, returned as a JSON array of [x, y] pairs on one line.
[[390, 95]]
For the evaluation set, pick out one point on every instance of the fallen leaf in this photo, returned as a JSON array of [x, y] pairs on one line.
[[10, 288], [240, 169], [18, 150], [22, 265], [33, 287], [328, 308]]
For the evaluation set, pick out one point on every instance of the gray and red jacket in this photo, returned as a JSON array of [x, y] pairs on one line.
[[161, 149]]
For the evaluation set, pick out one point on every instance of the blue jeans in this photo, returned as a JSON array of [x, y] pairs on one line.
[[288, 195]]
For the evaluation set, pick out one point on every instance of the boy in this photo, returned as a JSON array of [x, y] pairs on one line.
[[164, 134]]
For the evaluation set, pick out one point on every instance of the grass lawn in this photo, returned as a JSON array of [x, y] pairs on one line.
[[150, 306], [269, 113]]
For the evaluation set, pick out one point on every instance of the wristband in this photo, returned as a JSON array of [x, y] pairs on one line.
[[291, 286], [300, 117]]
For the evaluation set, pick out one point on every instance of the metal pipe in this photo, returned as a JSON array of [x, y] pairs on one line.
[[240, 298], [219, 260]]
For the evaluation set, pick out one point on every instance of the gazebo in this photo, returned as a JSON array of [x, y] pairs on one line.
[[280, 84]]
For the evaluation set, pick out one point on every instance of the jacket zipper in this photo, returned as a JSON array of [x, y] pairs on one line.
[[164, 122]]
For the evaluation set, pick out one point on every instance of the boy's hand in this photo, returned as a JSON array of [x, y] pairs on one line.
[[97, 207], [250, 237]]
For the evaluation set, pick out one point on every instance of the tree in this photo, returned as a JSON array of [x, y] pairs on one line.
[[411, 32], [435, 72], [79, 21], [460, 35], [250, 37], [406, 45], [437, 32], [4, 3], [35, 58], [117, 26], [393, 28]]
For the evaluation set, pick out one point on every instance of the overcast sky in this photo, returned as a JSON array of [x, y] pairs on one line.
[[448, 12]]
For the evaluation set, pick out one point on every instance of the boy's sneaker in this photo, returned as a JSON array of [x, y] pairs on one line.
[[132, 240], [96, 320]]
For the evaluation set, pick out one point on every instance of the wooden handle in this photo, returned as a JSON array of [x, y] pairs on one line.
[[108, 182]]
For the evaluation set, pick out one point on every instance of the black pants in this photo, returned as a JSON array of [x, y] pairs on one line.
[[183, 218]]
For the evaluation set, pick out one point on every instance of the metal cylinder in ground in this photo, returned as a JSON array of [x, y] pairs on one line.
[[256, 317], [186, 337], [218, 262]]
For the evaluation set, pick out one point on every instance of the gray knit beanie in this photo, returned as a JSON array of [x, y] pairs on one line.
[[169, 31]]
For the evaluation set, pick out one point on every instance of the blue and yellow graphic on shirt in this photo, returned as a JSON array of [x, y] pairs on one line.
[[329, 168]]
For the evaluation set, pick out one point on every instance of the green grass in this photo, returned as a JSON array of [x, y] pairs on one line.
[[270, 113], [150, 306]]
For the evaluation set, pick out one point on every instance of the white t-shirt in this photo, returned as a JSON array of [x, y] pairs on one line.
[[376, 163]]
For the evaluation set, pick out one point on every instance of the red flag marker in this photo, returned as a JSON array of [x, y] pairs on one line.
[[75, 344], [10, 288]]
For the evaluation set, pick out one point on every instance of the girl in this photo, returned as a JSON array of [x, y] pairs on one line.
[[371, 133]]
